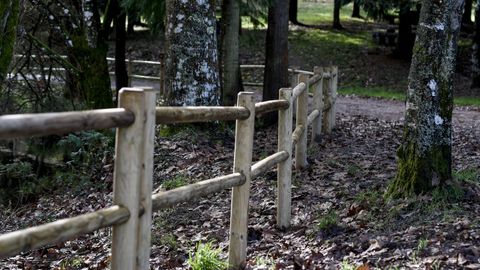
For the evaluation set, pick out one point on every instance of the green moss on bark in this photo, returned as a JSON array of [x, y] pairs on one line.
[[9, 10], [92, 83]]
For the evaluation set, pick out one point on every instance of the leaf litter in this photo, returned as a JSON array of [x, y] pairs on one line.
[[340, 218]]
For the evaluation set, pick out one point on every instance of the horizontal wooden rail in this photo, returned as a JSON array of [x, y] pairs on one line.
[[60, 230], [165, 115], [298, 90], [270, 106], [137, 61], [267, 163], [252, 84], [169, 198], [297, 133], [144, 77], [292, 70], [314, 79], [27, 125], [312, 116]]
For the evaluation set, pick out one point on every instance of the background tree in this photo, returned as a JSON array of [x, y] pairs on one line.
[[232, 81], [121, 75], [191, 53], [476, 48], [9, 10], [356, 9], [276, 63], [87, 51], [467, 13], [337, 5], [425, 156]]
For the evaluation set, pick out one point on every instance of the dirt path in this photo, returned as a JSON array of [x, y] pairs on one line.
[[393, 110]]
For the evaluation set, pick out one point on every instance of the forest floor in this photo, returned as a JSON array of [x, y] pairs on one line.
[[340, 217]]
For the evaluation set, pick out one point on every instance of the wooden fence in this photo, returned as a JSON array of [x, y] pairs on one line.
[[133, 202]]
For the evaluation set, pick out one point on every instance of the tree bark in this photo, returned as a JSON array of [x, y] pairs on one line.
[[9, 10], [475, 49], [87, 51], [293, 12], [406, 39], [425, 155], [356, 9], [232, 83], [191, 53], [336, 14], [121, 75], [276, 65], [467, 13]]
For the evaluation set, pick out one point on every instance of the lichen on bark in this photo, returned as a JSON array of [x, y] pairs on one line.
[[191, 47], [425, 156]]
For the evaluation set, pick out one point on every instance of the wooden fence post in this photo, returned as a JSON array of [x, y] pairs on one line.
[[318, 105], [284, 169], [242, 161], [163, 93], [128, 171], [129, 71], [328, 100], [294, 77], [333, 108], [145, 222], [301, 120]]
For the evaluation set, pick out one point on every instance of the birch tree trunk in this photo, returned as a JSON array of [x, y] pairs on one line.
[[425, 156], [276, 65], [232, 83], [9, 10], [192, 77]]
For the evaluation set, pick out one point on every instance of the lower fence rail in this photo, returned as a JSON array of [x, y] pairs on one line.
[[61, 230]]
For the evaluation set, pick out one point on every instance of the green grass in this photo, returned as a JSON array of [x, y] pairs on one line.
[[206, 258], [328, 221], [177, 181], [382, 92], [471, 175], [313, 13]]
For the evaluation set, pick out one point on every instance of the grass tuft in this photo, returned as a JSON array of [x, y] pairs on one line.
[[206, 258]]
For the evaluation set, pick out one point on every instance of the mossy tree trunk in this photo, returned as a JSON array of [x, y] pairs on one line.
[[232, 81], [88, 51], [276, 63], [9, 10], [192, 76], [425, 156]]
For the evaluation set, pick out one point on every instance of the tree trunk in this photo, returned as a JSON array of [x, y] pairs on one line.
[[293, 12], [467, 13], [425, 156], [336, 14], [121, 75], [356, 9], [88, 52], [231, 47], [9, 10], [276, 64], [475, 49], [191, 53], [406, 38]]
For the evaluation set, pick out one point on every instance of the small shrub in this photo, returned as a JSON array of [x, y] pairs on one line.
[[206, 258]]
